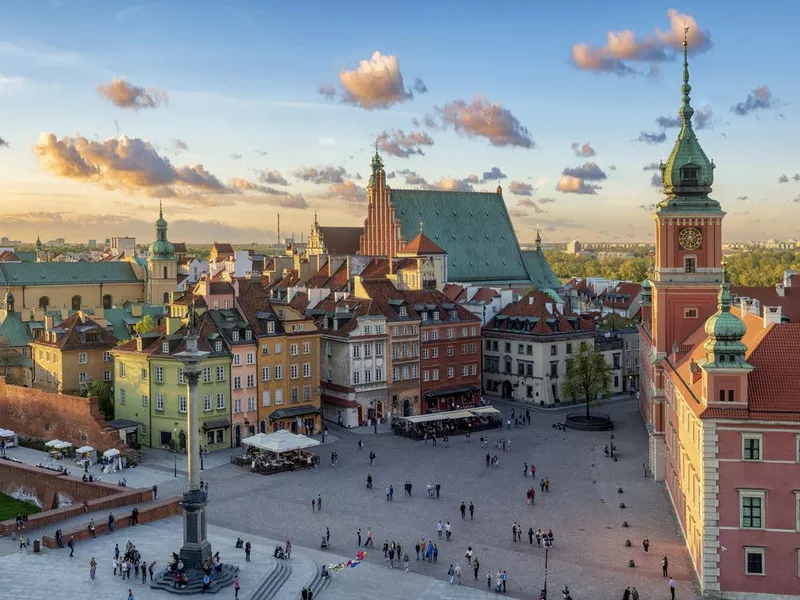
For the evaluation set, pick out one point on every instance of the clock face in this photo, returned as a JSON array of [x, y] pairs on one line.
[[690, 238]]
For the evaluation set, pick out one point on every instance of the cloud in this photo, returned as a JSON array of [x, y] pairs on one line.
[[652, 138], [530, 204], [483, 119], [180, 145], [260, 152], [428, 121], [451, 184], [783, 179], [653, 166], [667, 122], [493, 174], [320, 176], [348, 191], [325, 140], [588, 171], [236, 155], [648, 207], [612, 167], [271, 196], [128, 164], [389, 175], [574, 185], [398, 143], [703, 119], [128, 12], [742, 198], [796, 177], [270, 177], [515, 212], [759, 99], [472, 179], [412, 178], [655, 180], [623, 48], [546, 200], [12, 84], [520, 188], [123, 94], [3, 143], [375, 83], [583, 150]]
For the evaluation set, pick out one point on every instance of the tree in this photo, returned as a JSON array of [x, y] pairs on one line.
[[588, 376], [104, 394], [146, 325]]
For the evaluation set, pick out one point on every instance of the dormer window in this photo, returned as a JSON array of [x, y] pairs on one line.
[[248, 335], [453, 314], [218, 347], [424, 316], [165, 347], [689, 174], [436, 315], [403, 311], [235, 336]]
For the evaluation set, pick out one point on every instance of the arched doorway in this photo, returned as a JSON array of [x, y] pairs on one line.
[[237, 433], [108, 301], [263, 426], [406, 407], [76, 303], [507, 389]]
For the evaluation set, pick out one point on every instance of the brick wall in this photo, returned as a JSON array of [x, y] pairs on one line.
[[158, 510], [47, 484], [47, 416]]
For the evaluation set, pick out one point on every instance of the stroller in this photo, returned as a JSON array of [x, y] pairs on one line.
[[324, 543], [279, 552]]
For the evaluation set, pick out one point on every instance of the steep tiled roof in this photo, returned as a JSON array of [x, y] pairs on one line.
[[74, 273], [774, 384], [474, 229], [768, 296], [79, 332], [484, 295], [299, 301], [536, 313], [336, 282], [454, 291], [180, 247], [622, 295], [341, 241], [222, 248], [256, 307], [152, 342], [9, 256], [421, 245], [539, 271]]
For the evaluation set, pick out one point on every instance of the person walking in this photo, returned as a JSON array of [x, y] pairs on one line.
[[369, 541], [328, 535], [530, 535], [475, 566], [489, 579], [458, 574], [236, 587], [71, 546], [439, 529], [313, 504], [391, 558], [471, 512], [247, 549], [546, 484], [92, 569], [671, 588], [130, 594], [111, 522], [664, 567], [438, 489], [155, 492], [626, 595], [451, 573], [319, 501], [151, 569], [468, 555], [533, 471], [504, 579], [646, 544], [448, 530], [359, 538], [634, 594], [463, 511], [92, 528], [525, 470], [405, 561], [514, 532], [144, 571]]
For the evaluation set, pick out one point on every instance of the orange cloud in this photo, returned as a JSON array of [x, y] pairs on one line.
[[120, 92]]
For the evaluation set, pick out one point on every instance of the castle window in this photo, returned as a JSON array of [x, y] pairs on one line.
[[166, 273], [689, 174], [689, 264], [44, 302], [689, 313], [76, 303], [108, 301], [166, 297]]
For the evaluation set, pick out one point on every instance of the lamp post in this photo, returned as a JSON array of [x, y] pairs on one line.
[[202, 453], [175, 455], [546, 551]]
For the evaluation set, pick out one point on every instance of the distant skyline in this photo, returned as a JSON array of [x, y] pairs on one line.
[[234, 112]]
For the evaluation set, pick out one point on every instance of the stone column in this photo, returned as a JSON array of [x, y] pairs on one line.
[[193, 435]]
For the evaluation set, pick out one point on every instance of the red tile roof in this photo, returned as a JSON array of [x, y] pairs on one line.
[[72, 334], [341, 241], [774, 384], [9, 256], [484, 295], [180, 247], [622, 295], [421, 245], [543, 314], [768, 296], [455, 291]]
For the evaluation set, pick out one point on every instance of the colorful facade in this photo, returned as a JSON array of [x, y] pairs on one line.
[[719, 395]]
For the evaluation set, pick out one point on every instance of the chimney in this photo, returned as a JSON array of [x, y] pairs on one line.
[[530, 299], [772, 314], [25, 315], [695, 371], [779, 289], [136, 310], [49, 323], [235, 288], [38, 314], [787, 277], [99, 313], [64, 313]]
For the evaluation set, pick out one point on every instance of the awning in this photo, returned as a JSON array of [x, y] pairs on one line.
[[280, 441], [52, 443], [451, 391], [122, 424], [85, 449], [339, 401], [440, 416], [216, 424], [6, 433], [111, 453], [484, 410], [293, 411]]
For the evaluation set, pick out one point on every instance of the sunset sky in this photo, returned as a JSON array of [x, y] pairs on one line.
[[232, 112]]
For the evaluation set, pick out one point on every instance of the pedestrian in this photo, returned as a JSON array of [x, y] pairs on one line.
[[144, 571], [71, 546], [539, 538], [504, 578], [435, 553], [488, 458], [92, 568], [528, 416], [438, 489], [514, 532], [155, 492], [206, 582], [541, 485], [471, 511], [451, 573], [319, 501], [475, 566], [533, 496], [468, 555], [111, 522], [439, 529], [151, 569], [530, 535], [664, 566], [387, 493], [447, 530], [416, 549], [458, 574], [509, 424], [328, 535], [634, 594], [391, 493], [359, 538], [92, 528], [391, 558], [429, 552], [116, 551], [313, 504], [646, 544], [525, 470], [626, 595], [546, 484], [463, 511], [405, 561], [434, 439], [115, 566], [489, 579], [135, 514], [236, 586], [672, 588], [369, 537], [130, 594], [247, 549], [533, 471]]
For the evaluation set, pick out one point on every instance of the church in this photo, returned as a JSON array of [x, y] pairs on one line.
[[719, 394]]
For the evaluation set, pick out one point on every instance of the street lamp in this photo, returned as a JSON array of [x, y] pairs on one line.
[[175, 446], [202, 452], [547, 545]]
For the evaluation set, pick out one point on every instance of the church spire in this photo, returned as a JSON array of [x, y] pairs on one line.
[[538, 239], [686, 110]]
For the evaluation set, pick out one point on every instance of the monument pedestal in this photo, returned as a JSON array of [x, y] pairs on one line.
[[196, 550]]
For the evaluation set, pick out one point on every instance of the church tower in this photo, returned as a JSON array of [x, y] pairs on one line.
[[381, 235], [162, 266], [688, 265]]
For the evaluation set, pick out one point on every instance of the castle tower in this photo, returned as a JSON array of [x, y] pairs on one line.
[[688, 222], [381, 235], [162, 266]]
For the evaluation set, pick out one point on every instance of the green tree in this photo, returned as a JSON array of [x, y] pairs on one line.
[[104, 394], [146, 325], [587, 377]]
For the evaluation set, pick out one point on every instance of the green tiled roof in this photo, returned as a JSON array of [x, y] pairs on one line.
[[12, 274], [121, 318], [541, 274], [13, 332], [472, 227]]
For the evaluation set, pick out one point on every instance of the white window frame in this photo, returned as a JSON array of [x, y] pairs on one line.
[[753, 436], [278, 397], [306, 369], [218, 347], [159, 374], [107, 375], [293, 349], [251, 403], [756, 550], [221, 401], [762, 494], [182, 404], [220, 373], [237, 405], [271, 327], [237, 359], [83, 358], [235, 336], [207, 406], [265, 398], [294, 371], [690, 312], [378, 374], [145, 401], [278, 372], [451, 372], [265, 373], [435, 375], [251, 381], [159, 401], [306, 347], [251, 358]]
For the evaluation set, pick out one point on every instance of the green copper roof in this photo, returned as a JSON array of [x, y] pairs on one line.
[[13, 332], [688, 174], [472, 227], [162, 248], [121, 318], [539, 270], [725, 331], [12, 274]]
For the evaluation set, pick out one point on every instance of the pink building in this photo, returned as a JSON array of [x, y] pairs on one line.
[[720, 394]]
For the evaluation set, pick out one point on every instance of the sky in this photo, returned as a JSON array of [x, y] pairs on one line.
[[231, 113]]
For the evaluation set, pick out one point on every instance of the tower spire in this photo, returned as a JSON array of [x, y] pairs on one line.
[[686, 111], [538, 239]]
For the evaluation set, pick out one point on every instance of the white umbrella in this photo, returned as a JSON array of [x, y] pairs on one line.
[[110, 453], [62, 445], [280, 441], [6, 433], [85, 449], [52, 443]]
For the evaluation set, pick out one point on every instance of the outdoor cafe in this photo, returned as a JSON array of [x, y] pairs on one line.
[[448, 423], [269, 453]]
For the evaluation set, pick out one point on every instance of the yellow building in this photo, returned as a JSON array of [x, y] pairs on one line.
[[72, 353]]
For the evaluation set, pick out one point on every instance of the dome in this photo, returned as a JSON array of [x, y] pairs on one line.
[[646, 284], [162, 249], [725, 331], [725, 327]]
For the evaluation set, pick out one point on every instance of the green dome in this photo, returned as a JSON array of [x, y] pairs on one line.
[[724, 347], [162, 248], [725, 327], [646, 284]]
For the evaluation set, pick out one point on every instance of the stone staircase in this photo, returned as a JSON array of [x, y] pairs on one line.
[[219, 581], [317, 583], [269, 586]]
